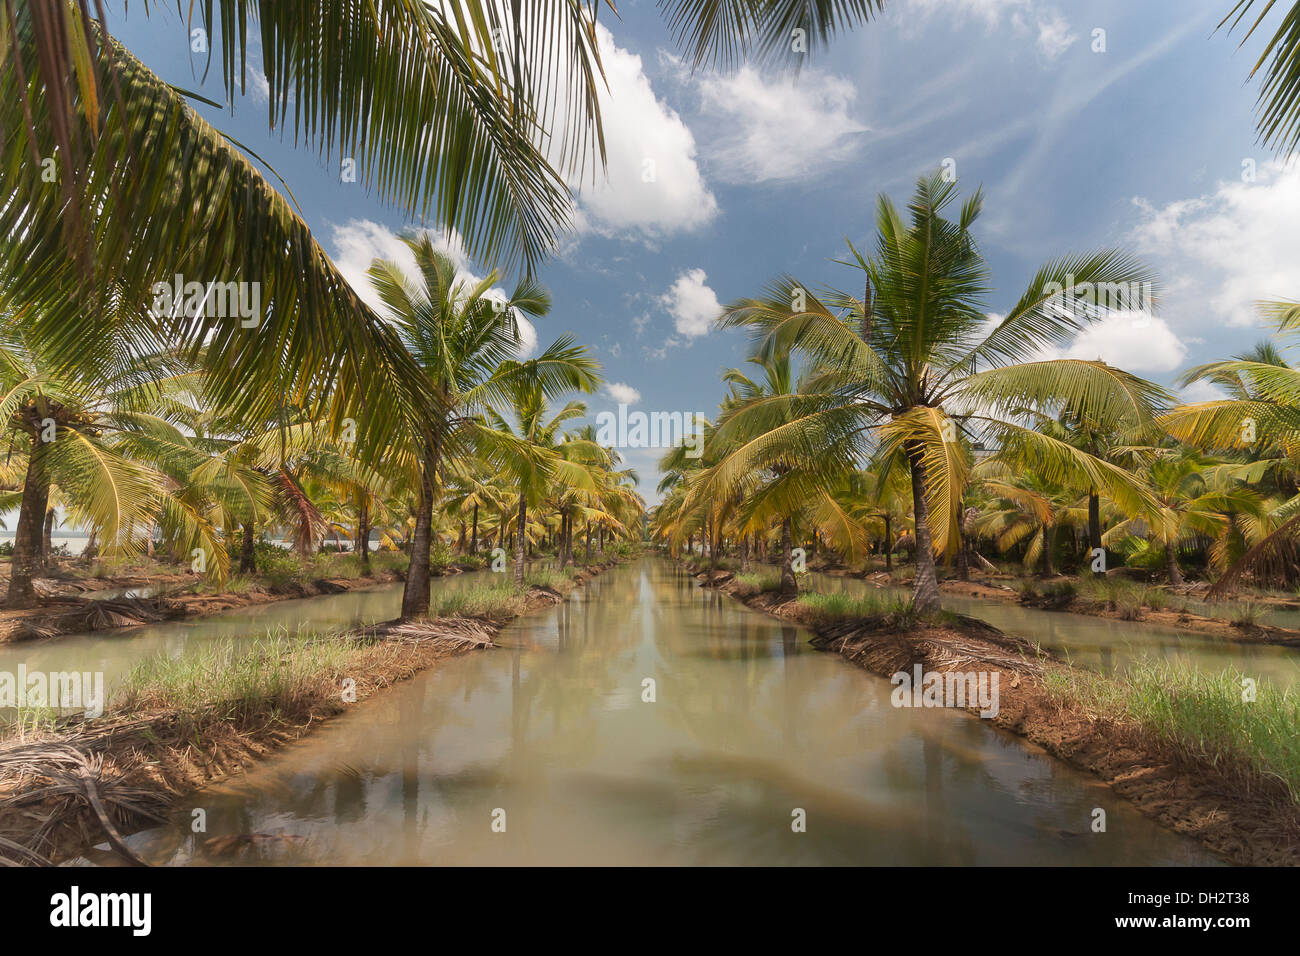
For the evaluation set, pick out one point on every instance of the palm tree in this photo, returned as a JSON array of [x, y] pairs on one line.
[[79, 432], [1190, 505], [898, 365], [526, 452], [460, 335], [1279, 94], [1261, 417], [1027, 509]]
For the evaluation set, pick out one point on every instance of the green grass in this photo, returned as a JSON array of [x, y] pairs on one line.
[[1200, 716], [839, 606], [278, 673], [1249, 614], [758, 582], [498, 599]]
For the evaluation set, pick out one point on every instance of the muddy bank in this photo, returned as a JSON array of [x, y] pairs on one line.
[[992, 589], [1255, 825], [64, 792], [77, 615]]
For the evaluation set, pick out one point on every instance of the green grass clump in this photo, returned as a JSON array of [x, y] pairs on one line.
[[758, 582], [499, 599], [1248, 614], [551, 578], [824, 609], [280, 673], [1200, 716]]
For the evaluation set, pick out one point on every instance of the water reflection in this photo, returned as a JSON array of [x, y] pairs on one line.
[[749, 725]]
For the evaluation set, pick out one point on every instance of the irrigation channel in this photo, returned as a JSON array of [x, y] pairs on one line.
[[551, 737]]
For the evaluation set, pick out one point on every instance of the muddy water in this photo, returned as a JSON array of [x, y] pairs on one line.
[[749, 724], [1102, 643], [115, 652]]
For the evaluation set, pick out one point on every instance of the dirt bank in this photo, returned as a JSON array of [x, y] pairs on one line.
[[995, 589], [76, 615], [1257, 825], [62, 793]]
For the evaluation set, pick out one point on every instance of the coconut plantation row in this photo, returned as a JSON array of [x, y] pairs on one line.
[[907, 420], [155, 466], [322, 547]]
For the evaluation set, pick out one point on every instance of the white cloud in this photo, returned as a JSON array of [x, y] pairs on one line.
[[622, 393], [1221, 253], [1051, 31], [359, 242], [1134, 341], [692, 304], [1202, 391], [990, 11], [783, 128], [652, 186], [259, 85], [1054, 34]]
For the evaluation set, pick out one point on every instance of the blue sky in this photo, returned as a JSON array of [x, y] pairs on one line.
[[1148, 144]]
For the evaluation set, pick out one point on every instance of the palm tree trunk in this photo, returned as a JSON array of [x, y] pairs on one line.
[[587, 554], [473, 535], [889, 547], [248, 555], [925, 588], [963, 553], [91, 550], [520, 540], [415, 596], [47, 541], [27, 534], [789, 584], [1171, 558], [363, 537], [1049, 541], [1094, 528]]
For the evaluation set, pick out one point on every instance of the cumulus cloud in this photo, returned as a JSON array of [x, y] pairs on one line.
[[1135, 341], [622, 393], [652, 186], [691, 303], [779, 128], [359, 242], [1221, 253], [1202, 392]]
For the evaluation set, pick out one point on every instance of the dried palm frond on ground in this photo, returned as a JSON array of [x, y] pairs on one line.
[[48, 782], [466, 631]]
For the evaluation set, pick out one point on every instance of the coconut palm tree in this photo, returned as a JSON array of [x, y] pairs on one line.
[[1190, 505], [1279, 94], [899, 365], [1261, 417], [526, 451], [89, 439], [461, 335]]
